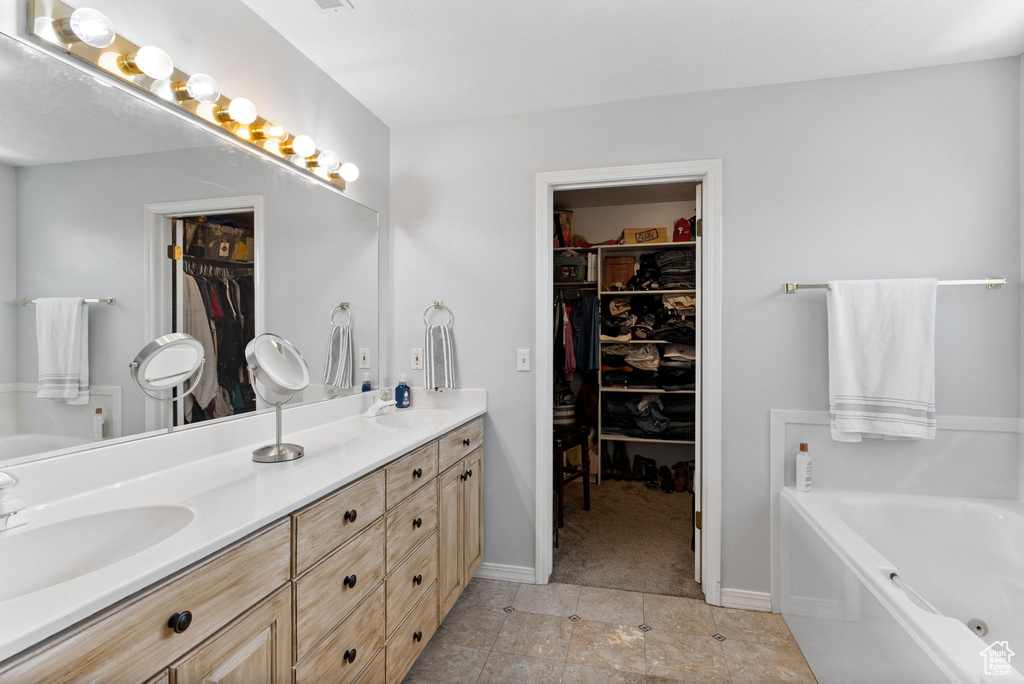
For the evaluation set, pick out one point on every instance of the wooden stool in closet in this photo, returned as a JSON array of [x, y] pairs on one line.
[[567, 437]]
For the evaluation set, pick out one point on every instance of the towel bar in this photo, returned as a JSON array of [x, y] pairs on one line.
[[990, 283]]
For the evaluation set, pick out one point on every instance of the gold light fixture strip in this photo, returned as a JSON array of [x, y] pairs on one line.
[[89, 36]]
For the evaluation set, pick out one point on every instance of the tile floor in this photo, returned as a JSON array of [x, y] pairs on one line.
[[526, 634]]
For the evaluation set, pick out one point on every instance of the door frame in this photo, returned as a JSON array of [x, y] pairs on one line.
[[709, 173], [158, 221]]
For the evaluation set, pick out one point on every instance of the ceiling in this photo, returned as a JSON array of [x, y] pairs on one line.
[[419, 61], [620, 195]]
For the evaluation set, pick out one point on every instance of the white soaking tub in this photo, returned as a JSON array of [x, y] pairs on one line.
[[882, 587]]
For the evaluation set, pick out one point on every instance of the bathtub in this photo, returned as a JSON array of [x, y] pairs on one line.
[[27, 443], [881, 587]]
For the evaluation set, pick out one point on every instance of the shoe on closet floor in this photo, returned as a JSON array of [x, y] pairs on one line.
[[682, 474], [640, 467], [668, 484], [651, 480]]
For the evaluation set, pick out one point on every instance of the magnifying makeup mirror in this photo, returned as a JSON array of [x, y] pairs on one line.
[[278, 366], [165, 363]]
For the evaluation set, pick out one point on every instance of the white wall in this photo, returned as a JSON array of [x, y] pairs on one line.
[[8, 273], [901, 174]]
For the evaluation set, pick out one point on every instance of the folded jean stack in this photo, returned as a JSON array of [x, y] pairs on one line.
[[649, 416], [677, 270]]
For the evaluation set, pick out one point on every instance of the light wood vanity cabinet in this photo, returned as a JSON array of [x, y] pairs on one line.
[[347, 589]]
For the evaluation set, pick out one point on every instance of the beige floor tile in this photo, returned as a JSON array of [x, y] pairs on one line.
[[678, 615], [535, 635], [548, 599], [583, 674], [685, 657], [607, 646], [447, 663], [756, 662], [490, 593], [508, 668], [611, 605], [472, 625], [749, 625]]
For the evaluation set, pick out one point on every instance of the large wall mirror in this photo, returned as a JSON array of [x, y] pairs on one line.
[[103, 195]]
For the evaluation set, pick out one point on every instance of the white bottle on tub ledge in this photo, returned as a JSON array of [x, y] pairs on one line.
[[803, 469], [98, 423]]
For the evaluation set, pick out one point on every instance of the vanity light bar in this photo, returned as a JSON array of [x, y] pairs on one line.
[[89, 35]]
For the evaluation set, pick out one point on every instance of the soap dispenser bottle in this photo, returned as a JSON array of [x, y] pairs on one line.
[[803, 469], [402, 399], [98, 424]]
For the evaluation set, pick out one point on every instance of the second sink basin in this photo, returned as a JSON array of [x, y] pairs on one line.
[[410, 417], [35, 558]]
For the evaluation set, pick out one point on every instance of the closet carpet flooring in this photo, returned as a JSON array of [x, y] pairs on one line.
[[632, 538]]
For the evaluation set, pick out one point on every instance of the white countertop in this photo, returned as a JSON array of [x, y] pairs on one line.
[[229, 495]]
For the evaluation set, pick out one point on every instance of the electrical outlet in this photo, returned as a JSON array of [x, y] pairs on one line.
[[522, 360], [364, 357], [417, 358]]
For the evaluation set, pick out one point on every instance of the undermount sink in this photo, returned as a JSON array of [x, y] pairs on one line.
[[410, 417], [35, 558]]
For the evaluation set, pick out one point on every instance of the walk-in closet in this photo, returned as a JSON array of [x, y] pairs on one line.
[[626, 387]]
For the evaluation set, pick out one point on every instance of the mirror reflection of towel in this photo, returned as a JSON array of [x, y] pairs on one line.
[[62, 334], [438, 358], [338, 367]]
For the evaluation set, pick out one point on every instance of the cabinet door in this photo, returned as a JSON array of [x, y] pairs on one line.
[[256, 649], [449, 562], [472, 514]]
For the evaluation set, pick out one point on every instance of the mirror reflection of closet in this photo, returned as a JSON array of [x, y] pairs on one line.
[[214, 301]]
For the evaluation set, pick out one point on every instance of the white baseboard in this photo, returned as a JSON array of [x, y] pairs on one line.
[[747, 600], [509, 573]]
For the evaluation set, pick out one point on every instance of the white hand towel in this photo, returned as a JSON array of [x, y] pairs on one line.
[[62, 335], [881, 359], [438, 358], [338, 367]]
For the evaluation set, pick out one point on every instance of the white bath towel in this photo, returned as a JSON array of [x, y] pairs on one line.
[[62, 336], [881, 359], [338, 367], [438, 358]]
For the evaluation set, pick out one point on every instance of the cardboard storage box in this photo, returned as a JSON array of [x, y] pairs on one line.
[[640, 236]]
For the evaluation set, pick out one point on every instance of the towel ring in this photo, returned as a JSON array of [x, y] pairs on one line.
[[341, 307], [439, 305]]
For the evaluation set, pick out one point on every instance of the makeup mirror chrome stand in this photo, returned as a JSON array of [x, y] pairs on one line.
[[166, 363], [277, 365]]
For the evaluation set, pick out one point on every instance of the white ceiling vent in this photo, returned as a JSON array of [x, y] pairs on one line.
[[333, 4]]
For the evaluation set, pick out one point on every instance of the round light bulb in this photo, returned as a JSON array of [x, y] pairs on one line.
[[303, 146], [275, 131], [349, 171], [152, 61], [242, 110], [199, 87], [328, 161], [88, 26]]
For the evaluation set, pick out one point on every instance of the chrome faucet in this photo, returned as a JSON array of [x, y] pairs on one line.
[[8, 507], [381, 404]]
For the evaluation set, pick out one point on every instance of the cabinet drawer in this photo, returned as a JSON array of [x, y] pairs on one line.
[[360, 635], [407, 584], [411, 472], [411, 523], [324, 525], [408, 642], [326, 593], [374, 672], [129, 642], [460, 442]]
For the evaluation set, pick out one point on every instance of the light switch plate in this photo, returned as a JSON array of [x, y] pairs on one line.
[[522, 360], [417, 358], [364, 357]]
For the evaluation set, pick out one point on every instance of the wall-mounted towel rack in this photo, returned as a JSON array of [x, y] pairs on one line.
[[441, 306], [341, 307], [102, 300], [990, 283]]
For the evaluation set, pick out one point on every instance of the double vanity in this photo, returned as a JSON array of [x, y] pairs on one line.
[[204, 567]]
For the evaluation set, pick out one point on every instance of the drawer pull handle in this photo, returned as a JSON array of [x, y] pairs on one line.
[[350, 516], [350, 656], [465, 442], [418, 472], [349, 581], [417, 636], [462, 477], [418, 522], [418, 579], [469, 473], [179, 622]]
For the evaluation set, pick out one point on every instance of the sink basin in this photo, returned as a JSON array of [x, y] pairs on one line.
[[410, 417], [39, 557]]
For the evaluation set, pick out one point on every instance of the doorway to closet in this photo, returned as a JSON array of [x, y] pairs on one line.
[[630, 383]]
